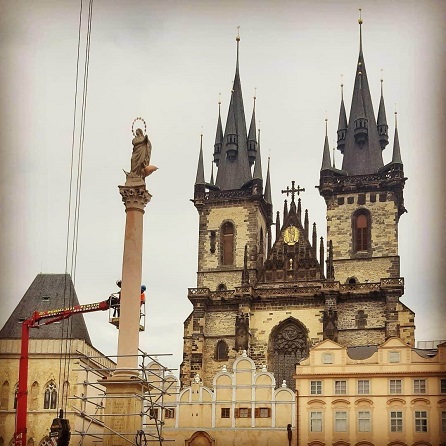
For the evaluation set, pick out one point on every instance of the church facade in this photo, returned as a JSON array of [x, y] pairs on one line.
[[278, 298]]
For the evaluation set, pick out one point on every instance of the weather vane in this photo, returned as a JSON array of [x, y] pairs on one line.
[[133, 125]]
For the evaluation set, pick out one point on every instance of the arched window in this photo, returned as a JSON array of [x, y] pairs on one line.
[[30, 442], [227, 243], [361, 231], [4, 397], [221, 351], [288, 344], [33, 401], [50, 396], [16, 390]]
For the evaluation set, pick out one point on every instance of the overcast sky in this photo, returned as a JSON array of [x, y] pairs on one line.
[[167, 61]]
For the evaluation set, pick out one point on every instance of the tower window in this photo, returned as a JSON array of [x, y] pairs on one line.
[[227, 243], [50, 396], [221, 351], [361, 231]]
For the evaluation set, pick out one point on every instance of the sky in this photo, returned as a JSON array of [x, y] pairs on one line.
[[167, 61]]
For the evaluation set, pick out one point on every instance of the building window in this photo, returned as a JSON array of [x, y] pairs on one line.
[[395, 386], [153, 414], [225, 412], [227, 243], [443, 421], [263, 412], [169, 413], [340, 421], [394, 357], [316, 421], [221, 351], [419, 386], [361, 319], [327, 358], [361, 230], [243, 412], [340, 387], [420, 421], [396, 421], [364, 421], [316, 388], [4, 397], [363, 387], [442, 385], [50, 396]]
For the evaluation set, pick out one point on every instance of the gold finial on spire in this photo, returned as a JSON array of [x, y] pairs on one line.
[[326, 123], [219, 98], [334, 151], [360, 30], [396, 114], [360, 21], [201, 134], [381, 80], [238, 34]]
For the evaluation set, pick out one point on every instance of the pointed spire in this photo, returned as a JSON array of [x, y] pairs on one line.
[[299, 209], [200, 168], [396, 157], [234, 169], [342, 124], [285, 210], [306, 223], [326, 161], [252, 143], [245, 273], [360, 21], [212, 174], [257, 175], [383, 128], [314, 245], [334, 161], [321, 255], [218, 137], [362, 150], [268, 198], [277, 225]]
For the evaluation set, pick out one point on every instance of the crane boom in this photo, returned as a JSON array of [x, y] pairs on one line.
[[37, 319]]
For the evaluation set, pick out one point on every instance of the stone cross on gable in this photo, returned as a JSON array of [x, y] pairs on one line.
[[293, 190]]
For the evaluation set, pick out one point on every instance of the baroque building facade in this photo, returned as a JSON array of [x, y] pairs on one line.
[[277, 299]]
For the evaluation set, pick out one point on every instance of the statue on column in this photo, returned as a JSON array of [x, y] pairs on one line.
[[142, 152]]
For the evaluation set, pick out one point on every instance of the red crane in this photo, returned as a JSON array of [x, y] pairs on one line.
[[37, 319]]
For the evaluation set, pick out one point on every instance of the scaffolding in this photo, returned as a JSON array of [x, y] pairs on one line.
[[93, 424]]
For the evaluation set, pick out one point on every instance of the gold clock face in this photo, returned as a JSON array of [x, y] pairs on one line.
[[291, 235]]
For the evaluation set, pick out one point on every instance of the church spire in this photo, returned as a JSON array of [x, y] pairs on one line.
[[257, 174], [383, 128], [199, 180], [342, 125], [234, 167], [396, 157], [362, 150], [252, 142], [268, 198], [218, 137], [326, 161]]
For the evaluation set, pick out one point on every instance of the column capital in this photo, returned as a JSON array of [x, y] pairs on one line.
[[135, 197]]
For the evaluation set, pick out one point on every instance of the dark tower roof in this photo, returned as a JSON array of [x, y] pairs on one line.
[[47, 292], [362, 151], [268, 198], [233, 166], [257, 174], [396, 156], [326, 161], [200, 168]]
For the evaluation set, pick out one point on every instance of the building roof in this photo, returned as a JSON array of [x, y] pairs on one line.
[[361, 352], [47, 292]]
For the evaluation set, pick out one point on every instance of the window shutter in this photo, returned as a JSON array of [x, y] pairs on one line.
[[257, 412], [269, 412], [236, 415], [249, 413]]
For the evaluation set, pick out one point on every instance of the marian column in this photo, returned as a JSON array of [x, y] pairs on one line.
[[125, 387]]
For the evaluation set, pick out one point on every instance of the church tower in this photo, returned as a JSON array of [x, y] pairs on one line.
[[365, 201], [235, 216]]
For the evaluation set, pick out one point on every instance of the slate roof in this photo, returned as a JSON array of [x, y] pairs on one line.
[[47, 292], [361, 352]]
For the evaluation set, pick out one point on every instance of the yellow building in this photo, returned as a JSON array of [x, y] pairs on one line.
[[244, 407], [391, 395], [59, 370]]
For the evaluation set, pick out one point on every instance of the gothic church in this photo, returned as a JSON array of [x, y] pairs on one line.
[[277, 298]]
